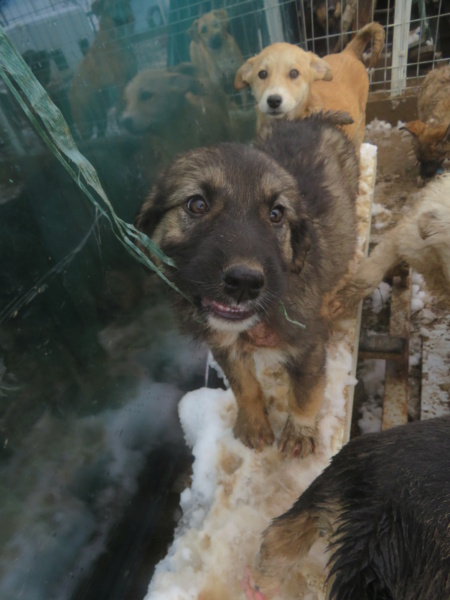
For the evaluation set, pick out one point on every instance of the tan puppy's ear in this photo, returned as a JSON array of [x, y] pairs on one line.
[[223, 16], [193, 31], [243, 75], [322, 69], [416, 128]]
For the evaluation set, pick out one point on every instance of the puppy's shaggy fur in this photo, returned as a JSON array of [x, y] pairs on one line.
[[431, 133], [109, 64], [259, 235], [384, 505], [289, 83], [421, 238], [213, 50]]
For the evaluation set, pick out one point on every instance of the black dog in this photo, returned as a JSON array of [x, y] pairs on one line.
[[384, 502]]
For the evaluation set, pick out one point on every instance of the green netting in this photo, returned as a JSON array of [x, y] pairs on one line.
[[54, 131]]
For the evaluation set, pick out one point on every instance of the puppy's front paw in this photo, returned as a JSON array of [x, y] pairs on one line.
[[297, 439], [253, 430]]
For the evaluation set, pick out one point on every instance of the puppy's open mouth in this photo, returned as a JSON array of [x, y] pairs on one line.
[[227, 311]]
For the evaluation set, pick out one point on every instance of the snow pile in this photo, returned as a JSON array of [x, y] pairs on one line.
[[235, 491]]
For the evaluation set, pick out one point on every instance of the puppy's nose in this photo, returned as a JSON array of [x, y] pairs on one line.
[[126, 122], [331, 11], [243, 283], [274, 101]]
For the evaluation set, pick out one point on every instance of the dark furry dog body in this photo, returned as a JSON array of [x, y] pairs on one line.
[[259, 236], [384, 502]]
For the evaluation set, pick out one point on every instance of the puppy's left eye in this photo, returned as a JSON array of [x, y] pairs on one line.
[[276, 214], [293, 73], [263, 74], [197, 205]]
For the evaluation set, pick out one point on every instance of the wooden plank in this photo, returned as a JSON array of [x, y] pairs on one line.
[[395, 404], [435, 397], [365, 223]]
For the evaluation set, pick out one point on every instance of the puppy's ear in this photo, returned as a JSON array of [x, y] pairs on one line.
[[415, 128], [321, 69], [150, 213], [185, 68], [243, 75], [223, 16], [193, 31], [301, 244]]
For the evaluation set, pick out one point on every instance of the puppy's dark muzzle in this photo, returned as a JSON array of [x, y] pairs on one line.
[[274, 101], [243, 283]]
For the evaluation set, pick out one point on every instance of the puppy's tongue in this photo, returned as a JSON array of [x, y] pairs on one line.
[[261, 335]]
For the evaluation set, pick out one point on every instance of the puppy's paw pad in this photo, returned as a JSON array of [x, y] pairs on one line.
[[298, 440]]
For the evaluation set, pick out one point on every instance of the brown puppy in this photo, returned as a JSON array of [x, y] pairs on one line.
[[213, 50], [421, 238], [259, 236], [431, 133], [103, 73], [384, 506], [289, 83], [174, 110]]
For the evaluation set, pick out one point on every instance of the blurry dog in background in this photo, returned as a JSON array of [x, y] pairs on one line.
[[213, 50], [174, 110], [258, 236], [108, 65], [421, 238], [289, 83], [327, 22], [384, 505], [431, 132]]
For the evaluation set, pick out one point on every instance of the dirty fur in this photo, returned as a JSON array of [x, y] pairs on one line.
[[259, 236], [384, 505], [289, 83]]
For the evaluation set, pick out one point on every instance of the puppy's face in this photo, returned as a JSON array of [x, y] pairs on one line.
[[210, 29], [154, 98], [280, 78], [328, 14], [431, 146], [232, 220]]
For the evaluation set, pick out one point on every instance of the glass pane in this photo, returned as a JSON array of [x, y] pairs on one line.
[[92, 364]]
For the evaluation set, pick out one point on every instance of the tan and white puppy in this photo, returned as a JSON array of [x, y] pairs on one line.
[[421, 238], [289, 83]]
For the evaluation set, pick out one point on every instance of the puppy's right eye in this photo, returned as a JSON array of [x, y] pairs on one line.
[[263, 74], [197, 205], [145, 95]]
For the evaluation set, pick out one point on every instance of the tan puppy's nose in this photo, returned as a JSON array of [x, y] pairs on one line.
[[274, 101]]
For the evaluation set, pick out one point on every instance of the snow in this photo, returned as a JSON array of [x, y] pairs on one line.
[[235, 491]]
